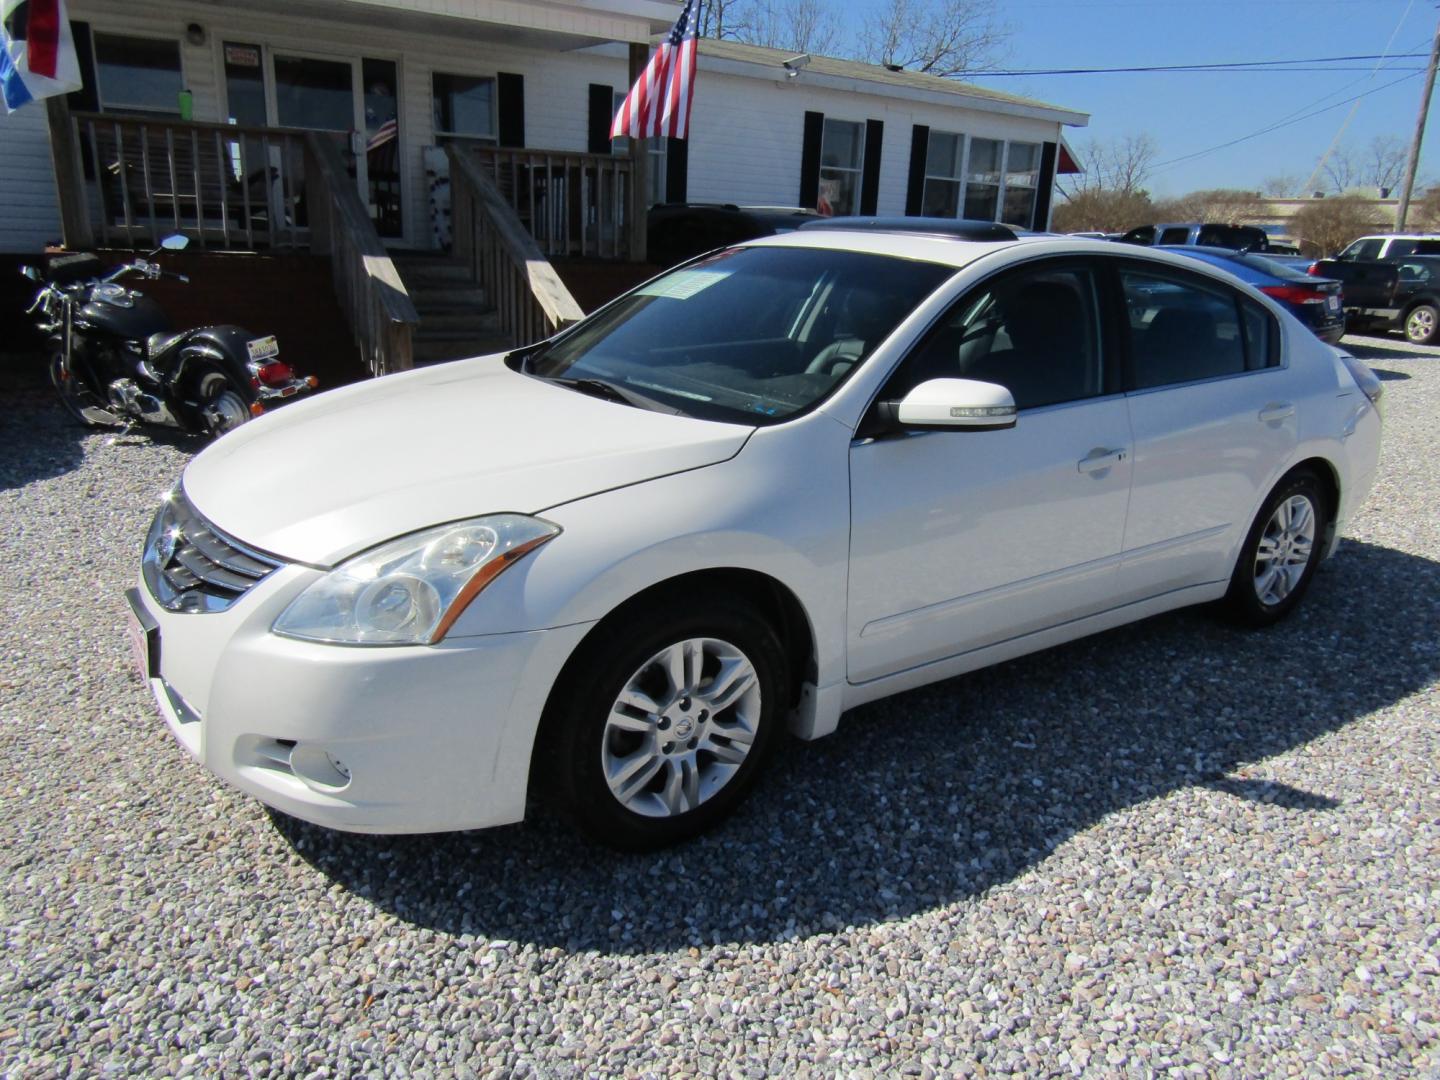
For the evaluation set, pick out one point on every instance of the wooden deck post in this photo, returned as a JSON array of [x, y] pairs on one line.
[[69, 175], [639, 168]]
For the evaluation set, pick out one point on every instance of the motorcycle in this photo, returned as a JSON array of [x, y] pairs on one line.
[[113, 359]]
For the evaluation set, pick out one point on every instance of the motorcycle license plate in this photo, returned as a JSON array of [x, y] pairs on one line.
[[143, 633], [263, 348]]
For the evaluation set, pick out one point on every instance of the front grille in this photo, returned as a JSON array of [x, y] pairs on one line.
[[191, 566]]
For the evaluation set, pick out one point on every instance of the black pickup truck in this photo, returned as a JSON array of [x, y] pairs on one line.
[[1398, 294]]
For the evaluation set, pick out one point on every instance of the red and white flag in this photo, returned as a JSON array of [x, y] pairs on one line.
[[659, 102]]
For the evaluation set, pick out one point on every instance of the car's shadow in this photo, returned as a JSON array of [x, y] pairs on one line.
[[943, 792]]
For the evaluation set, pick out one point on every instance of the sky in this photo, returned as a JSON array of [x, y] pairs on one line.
[[1187, 113]]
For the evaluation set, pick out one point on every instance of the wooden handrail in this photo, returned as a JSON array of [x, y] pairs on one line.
[[160, 121], [530, 299], [374, 298]]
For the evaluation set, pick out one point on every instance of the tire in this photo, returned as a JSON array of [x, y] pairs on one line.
[[1291, 528], [223, 405], [638, 762], [72, 393], [1422, 324]]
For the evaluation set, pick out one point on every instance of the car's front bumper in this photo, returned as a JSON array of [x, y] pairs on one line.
[[364, 739]]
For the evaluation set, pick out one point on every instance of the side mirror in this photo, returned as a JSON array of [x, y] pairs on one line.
[[175, 242], [30, 272], [946, 404]]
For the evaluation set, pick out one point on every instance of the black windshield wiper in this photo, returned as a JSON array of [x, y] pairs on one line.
[[610, 392]]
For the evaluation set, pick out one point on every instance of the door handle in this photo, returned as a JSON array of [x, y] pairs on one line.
[[1276, 411], [1100, 458]]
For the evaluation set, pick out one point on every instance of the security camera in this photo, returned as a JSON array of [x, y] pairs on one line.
[[795, 63]]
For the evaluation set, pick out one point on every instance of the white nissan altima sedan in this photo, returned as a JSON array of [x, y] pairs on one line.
[[785, 479]]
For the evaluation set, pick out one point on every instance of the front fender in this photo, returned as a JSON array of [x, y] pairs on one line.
[[773, 509]]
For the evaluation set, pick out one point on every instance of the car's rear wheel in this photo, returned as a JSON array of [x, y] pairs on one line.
[[1280, 553], [661, 725], [1422, 324]]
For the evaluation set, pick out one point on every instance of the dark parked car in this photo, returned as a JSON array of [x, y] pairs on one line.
[[679, 231], [1315, 301], [1402, 295], [1195, 233]]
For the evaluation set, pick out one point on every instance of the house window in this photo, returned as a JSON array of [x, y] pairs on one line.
[[658, 157], [1022, 179], [943, 176], [464, 107], [982, 188], [842, 152], [138, 74]]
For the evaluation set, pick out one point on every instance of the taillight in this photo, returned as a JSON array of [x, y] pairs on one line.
[[1294, 294], [1313, 269], [275, 373]]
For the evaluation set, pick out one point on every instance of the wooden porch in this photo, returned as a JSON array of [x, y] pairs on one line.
[[126, 182]]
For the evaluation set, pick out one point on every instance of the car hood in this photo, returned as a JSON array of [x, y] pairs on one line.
[[320, 480]]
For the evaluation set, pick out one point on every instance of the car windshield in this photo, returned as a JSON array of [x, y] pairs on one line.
[[752, 334]]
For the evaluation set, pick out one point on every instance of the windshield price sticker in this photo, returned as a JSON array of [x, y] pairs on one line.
[[263, 348], [684, 284]]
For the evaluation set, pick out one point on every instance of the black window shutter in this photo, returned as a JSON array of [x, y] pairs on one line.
[[602, 111], [810, 160], [919, 154], [1048, 153], [677, 170], [870, 178], [87, 98], [510, 89]]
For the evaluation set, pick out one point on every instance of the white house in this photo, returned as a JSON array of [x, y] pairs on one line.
[[346, 127]]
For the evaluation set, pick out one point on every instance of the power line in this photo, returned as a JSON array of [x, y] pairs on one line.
[[1279, 125], [1231, 65]]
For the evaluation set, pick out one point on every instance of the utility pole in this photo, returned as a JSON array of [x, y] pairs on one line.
[[1403, 210]]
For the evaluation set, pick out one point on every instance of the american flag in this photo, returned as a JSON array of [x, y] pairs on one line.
[[659, 102]]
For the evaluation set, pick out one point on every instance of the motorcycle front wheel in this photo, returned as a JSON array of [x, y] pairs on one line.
[[71, 391], [223, 407]]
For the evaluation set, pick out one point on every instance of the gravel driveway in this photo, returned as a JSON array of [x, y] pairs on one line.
[[1174, 849]]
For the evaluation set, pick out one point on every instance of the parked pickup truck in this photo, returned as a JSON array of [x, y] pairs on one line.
[[1394, 295]]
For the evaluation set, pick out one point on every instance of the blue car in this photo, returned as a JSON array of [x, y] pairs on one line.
[[1315, 301]]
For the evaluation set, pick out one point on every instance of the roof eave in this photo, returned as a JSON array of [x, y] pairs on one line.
[[750, 69]]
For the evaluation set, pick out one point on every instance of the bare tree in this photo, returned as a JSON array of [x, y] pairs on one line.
[[1223, 205], [718, 18], [1284, 186], [1327, 225], [1102, 211], [939, 37], [1384, 163], [1120, 165], [802, 26], [1425, 210]]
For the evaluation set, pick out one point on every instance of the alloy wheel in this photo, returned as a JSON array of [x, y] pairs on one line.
[[1285, 549], [681, 727]]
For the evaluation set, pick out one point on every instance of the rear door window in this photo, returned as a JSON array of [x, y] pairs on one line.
[[1181, 329], [1362, 250], [1176, 235]]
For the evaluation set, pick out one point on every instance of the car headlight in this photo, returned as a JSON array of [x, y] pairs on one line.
[[410, 591]]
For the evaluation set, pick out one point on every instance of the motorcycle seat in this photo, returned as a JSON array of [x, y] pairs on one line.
[[157, 345]]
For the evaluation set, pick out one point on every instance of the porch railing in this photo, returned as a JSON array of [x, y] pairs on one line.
[[571, 204], [530, 300], [221, 184], [369, 288]]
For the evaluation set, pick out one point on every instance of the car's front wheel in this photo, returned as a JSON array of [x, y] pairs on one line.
[[1280, 553], [664, 720]]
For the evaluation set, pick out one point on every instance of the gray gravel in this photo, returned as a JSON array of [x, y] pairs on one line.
[[1176, 849]]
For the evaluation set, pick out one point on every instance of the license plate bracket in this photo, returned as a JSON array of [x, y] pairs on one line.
[[143, 633]]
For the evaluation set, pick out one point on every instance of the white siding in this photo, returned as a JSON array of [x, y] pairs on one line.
[[29, 214], [746, 138]]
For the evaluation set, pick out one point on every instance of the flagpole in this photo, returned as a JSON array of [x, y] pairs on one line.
[[639, 167]]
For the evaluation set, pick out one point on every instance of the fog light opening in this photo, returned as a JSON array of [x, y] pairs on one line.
[[319, 769]]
